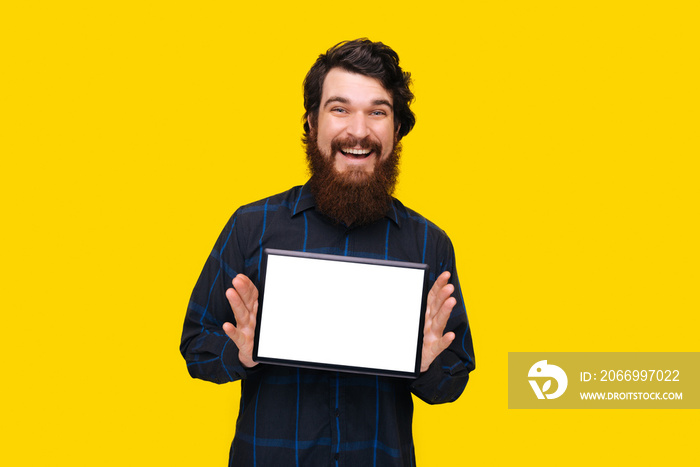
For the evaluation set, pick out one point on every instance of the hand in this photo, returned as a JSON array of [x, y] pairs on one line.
[[243, 298], [438, 309]]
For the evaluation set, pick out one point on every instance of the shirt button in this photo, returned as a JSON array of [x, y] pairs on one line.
[[337, 413], [336, 456]]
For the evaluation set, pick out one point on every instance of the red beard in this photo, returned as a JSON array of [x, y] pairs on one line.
[[354, 197]]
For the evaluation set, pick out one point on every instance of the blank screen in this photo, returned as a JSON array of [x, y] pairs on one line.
[[342, 313]]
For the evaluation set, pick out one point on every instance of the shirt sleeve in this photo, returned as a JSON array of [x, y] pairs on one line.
[[210, 354], [447, 376]]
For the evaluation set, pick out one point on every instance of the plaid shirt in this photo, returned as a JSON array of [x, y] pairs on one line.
[[301, 417]]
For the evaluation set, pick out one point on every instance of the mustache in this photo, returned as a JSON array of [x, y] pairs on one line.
[[351, 142]]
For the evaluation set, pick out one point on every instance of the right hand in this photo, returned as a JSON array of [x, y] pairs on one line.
[[243, 298]]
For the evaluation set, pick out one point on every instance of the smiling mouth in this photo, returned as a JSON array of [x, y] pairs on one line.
[[356, 153]]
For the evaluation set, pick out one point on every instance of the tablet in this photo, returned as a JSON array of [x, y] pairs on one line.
[[341, 313]]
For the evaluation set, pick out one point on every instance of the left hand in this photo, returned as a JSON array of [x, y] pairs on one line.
[[438, 309]]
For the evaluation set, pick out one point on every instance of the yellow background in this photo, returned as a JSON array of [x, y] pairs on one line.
[[556, 143]]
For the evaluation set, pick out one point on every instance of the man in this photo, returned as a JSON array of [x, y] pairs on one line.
[[357, 110]]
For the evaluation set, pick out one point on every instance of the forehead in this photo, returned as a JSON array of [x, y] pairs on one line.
[[354, 87]]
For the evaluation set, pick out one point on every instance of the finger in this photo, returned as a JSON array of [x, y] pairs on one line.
[[230, 331], [432, 350], [235, 335], [445, 293], [438, 286], [441, 296], [443, 279], [240, 312], [440, 320], [445, 341], [440, 282], [246, 289]]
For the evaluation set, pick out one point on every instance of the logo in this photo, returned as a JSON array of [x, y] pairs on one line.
[[542, 370]]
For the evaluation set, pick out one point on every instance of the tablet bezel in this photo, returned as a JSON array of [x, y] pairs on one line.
[[338, 367]]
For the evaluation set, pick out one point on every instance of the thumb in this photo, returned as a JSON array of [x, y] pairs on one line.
[[230, 330]]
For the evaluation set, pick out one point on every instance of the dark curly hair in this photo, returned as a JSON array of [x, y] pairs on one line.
[[368, 58]]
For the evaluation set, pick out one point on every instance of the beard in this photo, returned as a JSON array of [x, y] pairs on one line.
[[353, 196]]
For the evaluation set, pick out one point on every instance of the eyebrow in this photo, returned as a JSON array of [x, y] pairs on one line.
[[383, 102], [343, 100], [333, 99]]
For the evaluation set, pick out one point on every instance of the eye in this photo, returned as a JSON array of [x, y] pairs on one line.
[[378, 113], [338, 110]]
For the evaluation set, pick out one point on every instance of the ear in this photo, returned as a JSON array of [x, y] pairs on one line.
[[396, 133], [309, 121]]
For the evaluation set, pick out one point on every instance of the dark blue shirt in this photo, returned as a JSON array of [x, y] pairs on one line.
[[300, 417]]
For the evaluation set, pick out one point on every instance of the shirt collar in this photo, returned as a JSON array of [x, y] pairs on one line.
[[305, 200]]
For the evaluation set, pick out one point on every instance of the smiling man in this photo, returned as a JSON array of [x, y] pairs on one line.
[[352, 147], [357, 101]]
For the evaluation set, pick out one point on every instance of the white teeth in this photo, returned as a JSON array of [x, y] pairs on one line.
[[357, 151]]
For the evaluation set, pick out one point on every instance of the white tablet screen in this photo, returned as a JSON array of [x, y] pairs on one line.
[[328, 311]]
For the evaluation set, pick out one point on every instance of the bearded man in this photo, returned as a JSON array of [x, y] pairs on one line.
[[357, 101]]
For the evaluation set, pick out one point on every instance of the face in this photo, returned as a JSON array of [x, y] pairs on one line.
[[355, 125]]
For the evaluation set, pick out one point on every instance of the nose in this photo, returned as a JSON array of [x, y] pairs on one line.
[[357, 126]]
